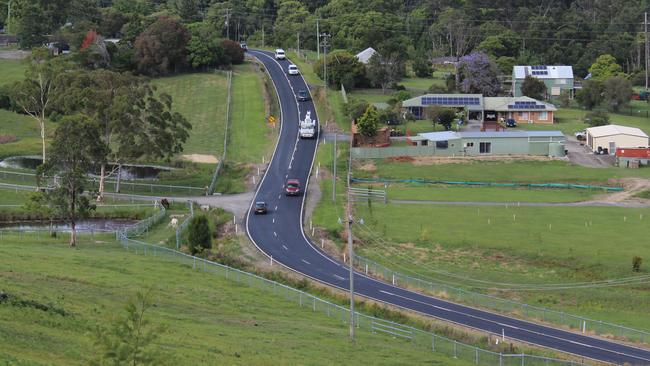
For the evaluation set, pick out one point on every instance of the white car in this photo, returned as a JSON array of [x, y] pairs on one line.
[[279, 54], [293, 70]]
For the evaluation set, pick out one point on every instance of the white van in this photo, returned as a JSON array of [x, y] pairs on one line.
[[279, 54]]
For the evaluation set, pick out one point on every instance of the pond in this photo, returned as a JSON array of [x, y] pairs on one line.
[[128, 171], [86, 225]]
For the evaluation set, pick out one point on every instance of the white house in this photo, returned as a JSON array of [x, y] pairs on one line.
[[556, 79], [365, 55]]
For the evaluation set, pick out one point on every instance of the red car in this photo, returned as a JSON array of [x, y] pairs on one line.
[[292, 187]]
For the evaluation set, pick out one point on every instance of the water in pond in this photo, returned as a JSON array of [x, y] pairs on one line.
[[127, 172], [82, 225]]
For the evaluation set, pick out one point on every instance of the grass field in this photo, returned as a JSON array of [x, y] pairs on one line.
[[250, 135], [570, 120], [201, 99], [497, 171], [520, 245], [26, 130], [208, 320], [11, 70]]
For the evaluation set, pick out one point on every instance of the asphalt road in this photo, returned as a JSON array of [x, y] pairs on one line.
[[280, 235]]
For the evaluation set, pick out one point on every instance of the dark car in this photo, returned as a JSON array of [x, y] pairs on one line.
[[511, 123], [303, 96], [292, 188], [260, 208]]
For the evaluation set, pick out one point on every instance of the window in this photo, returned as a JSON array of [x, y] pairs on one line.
[[543, 116], [560, 81], [442, 144], [485, 147]]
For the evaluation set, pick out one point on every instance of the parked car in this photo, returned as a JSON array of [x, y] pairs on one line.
[[293, 70], [260, 208], [292, 187], [243, 46], [511, 123], [279, 54], [303, 96], [581, 135]]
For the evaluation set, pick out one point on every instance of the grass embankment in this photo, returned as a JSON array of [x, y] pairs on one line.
[[208, 320], [11, 71], [26, 131], [520, 245]]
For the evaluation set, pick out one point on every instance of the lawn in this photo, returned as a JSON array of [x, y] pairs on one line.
[[486, 247], [11, 70], [201, 99], [250, 134], [207, 319], [497, 171], [27, 132], [570, 120]]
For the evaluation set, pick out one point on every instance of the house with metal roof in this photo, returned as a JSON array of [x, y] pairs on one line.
[[365, 55], [481, 143], [610, 137], [471, 103], [556, 78], [519, 109]]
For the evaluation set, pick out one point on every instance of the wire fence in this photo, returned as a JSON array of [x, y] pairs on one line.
[[524, 311], [217, 170], [420, 339], [29, 180]]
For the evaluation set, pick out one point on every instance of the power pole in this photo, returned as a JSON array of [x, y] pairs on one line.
[[298, 44], [351, 261], [334, 172], [647, 52], [317, 41], [262, 33], [8, 26], [325, 43], [228, 23]]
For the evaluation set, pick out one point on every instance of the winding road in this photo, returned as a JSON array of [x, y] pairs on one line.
[[280, 235]]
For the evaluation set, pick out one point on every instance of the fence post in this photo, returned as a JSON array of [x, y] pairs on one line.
[[433, 343], [455, 356]]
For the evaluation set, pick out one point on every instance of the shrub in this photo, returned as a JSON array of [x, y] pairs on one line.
[[597, 118], [636, 263], [199, 234]]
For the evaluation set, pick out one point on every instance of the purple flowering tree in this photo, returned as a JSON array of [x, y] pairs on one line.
[[478, 75]]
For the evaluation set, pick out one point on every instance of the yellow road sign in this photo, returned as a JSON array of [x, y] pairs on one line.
[[271, 120]]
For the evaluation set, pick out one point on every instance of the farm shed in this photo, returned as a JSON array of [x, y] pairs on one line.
[[611, 137]]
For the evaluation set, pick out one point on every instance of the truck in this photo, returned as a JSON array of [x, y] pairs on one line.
[[307, 127]]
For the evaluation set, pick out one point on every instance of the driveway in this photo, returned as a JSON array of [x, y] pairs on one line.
[[581, 155]]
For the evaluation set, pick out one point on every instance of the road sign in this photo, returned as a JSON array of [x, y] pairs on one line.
[[272, 120]]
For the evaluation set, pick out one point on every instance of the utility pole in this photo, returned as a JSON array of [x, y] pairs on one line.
[[7, 26], [228, 23], [334, 172], [317, 41], [351, 261], [298, 44], [326, 37], [262, 33], [647, 52]]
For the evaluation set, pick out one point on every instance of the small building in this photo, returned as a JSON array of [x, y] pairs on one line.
[[632, 157], [472, 104], [520, 109], [365, 55], [610, 137], [556, 79], [449, 143]]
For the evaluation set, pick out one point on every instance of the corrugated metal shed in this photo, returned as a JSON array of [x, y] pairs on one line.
[[610, 130], [633, 153], [553, 72]]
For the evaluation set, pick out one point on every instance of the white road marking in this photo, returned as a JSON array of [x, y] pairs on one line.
[[339, 277], [276, 208], [274, 233], [279, 196], [285, 247], [274, 220], [305, 261]]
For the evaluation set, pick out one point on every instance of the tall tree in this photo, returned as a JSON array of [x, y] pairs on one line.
[[342, 68], [385, 69], [605, 67], [591, 94], [617, 93], [533, 87], [478, 74], [33, 95], [161, 48], [133, 120], [76, 147]]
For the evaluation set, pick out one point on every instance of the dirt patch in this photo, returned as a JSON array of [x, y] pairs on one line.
[[201, 158], [368, 166], [631, 186]]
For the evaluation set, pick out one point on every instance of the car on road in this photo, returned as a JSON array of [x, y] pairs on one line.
[[243, 46], [293, 70], [260, 208], [279, 54], [292, 187], [303, 96]]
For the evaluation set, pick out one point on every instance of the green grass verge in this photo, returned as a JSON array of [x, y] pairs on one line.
[[27, 132], [644, 194], [496, 171], [529, 245], [570, 120], [208, 320], [201, 99], [11, 71]]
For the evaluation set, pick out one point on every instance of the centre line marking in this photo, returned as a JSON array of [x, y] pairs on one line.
[[339, 277], [285, 247], [305, 261], [274, 220], [274, 233]]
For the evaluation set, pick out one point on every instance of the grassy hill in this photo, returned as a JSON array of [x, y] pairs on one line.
[[209, 320]]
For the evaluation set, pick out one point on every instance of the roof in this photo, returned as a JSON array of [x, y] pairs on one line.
[[451, 135], [365, 55], [473, 102], [543, 72], [508, 104], [643, 153], [610, 130]]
